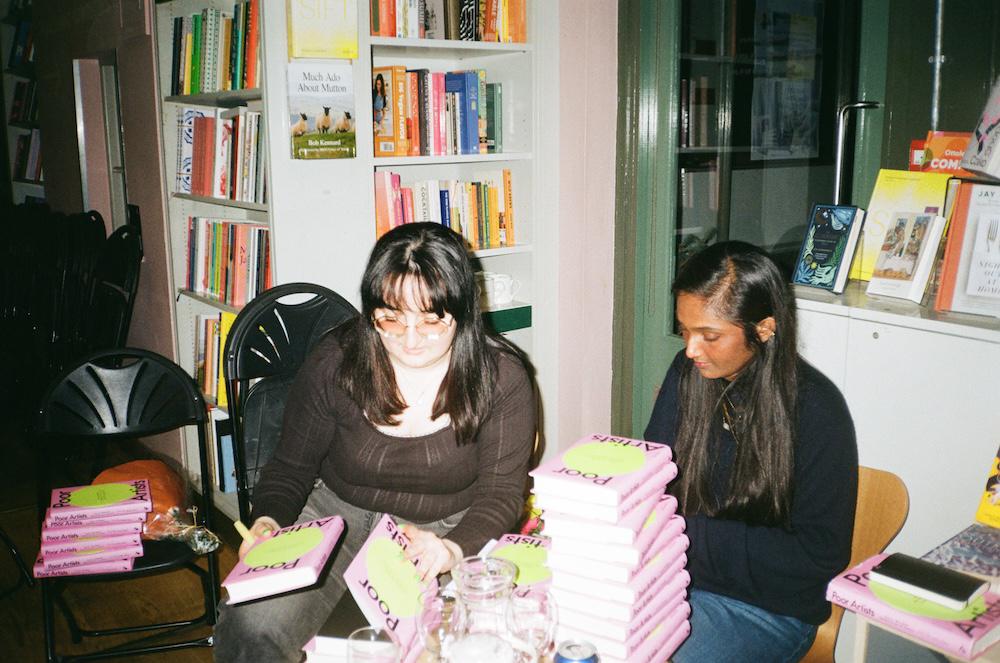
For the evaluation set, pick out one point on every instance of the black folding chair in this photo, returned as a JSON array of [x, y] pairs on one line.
[[120, 395], [267, 344]]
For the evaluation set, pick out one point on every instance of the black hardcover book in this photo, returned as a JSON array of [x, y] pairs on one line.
[[927, 580]]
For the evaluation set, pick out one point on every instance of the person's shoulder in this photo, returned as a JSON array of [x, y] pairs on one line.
[[817, 393], [512, 366]]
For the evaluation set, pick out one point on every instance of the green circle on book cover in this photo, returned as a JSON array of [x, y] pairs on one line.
[[394, 577], [924, 608], [284, 548], [529, 560], [604, 459], [101, 495]]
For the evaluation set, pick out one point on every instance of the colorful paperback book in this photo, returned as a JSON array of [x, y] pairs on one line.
[[629, 554], [111, 566], [613, 571], [49, 549], [988, 511], [896, 192], [964, 633], [983, 154], [907, 256], [292, 558], [643, 500], [975, 550], [320, 104], [106, 499], [831, 237], [530, 555], [624, 532], [90, 555], [89, 529], [386, 584], [664, 588], [601, 469], [323, 29]]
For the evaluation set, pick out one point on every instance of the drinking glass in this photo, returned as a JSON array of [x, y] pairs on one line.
[[531, 621], [441, 621], [370, 644], [484, 585]]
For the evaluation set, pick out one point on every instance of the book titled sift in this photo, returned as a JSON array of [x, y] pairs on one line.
[[386, 585], [964, 633], [99, 501], [294, 557], [601, 469], [950, 588]]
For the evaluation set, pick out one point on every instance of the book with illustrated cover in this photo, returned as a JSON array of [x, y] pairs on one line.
[[386, 585], [389, 86], [975, 550], [39, 569], [107, 499], [983, 154], [601, 469], [323, 29], [831, 237], [988, 511], [942, 153], [896, 192], [970, 272], [292, 558], [907, 256], [964, 633], [320, 104]]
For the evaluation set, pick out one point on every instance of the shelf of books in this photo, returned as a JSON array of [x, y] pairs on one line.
[[454, 138], [215, 150], [24, 148]]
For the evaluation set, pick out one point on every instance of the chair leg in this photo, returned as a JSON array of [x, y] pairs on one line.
[[24, 576], [47, 623]]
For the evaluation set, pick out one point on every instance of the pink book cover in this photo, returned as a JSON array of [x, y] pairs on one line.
[[630, 554], [90, 555], [669, 561], [615, 571], [665, 587], [439, 114], [99, 501], [386, 585], [965, 633], [643, 499], [83, 544], [601, 469], [664, 641], [397, 201], [110, 566], [631, 631], [530, 555], [72, 532], [292, 558], [624, 532]]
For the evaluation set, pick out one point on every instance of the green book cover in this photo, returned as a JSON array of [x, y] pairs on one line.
[[494, 117], [196, 23]]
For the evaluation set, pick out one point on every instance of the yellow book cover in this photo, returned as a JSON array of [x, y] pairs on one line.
[[494, 210], [188, 53], [226, 319], [508, 208], [895, 192], [988, 512], [322, 29]]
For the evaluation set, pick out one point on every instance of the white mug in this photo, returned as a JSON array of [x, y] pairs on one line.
[[496, 289]]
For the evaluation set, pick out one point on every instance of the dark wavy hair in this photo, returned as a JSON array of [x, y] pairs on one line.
[[438, 259], [743, 285]]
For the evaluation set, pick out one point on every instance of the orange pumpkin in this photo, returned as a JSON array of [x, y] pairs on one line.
[[165, 488]]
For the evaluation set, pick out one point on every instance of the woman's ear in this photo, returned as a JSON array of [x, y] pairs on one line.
[[766, 329]]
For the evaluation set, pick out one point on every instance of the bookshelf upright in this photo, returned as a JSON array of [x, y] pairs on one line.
[[24, 158]]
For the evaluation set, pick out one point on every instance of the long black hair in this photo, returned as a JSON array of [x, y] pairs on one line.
[[743, 285], [437, 258]]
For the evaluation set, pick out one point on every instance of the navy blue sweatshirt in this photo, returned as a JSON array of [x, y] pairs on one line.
[[783, 571]]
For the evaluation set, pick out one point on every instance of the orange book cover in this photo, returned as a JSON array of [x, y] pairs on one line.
[[517, 21], [490, 21], [508, 192], [943, 151], [413, 113], [492, 203], [387, 110], [473, 216], [383, 202], [386, 18], [400, 84], [253, 46], [953, 250]]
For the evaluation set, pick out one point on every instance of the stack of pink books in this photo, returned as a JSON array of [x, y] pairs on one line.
[[618, 549], [93, 529]]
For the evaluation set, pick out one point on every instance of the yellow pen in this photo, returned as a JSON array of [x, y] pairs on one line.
[[244, 532]]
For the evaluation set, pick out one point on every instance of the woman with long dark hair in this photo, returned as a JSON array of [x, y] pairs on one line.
[[414, 409], [768, 462]]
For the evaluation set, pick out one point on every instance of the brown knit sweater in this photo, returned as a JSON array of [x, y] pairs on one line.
[[421, 479]]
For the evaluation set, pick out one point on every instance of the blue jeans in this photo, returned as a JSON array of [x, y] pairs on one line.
[[725, 630], [275, 628]]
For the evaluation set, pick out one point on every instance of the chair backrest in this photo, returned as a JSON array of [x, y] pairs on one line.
[[268, 342], [115, 287], [126, 393], [883, 503]]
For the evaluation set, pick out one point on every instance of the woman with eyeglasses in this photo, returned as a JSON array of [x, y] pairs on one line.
[[413, 409], [768, 461]]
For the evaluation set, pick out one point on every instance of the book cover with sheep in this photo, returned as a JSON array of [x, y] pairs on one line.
[[320, 106]]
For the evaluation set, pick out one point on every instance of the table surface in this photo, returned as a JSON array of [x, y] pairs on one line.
[[862, 624]]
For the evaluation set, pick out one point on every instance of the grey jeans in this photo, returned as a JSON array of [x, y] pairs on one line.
[[275, 629]]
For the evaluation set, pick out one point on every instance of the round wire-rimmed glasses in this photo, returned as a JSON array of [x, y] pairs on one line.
[[430, 327]]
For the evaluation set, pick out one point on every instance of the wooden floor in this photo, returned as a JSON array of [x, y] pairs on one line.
[[173, 596]]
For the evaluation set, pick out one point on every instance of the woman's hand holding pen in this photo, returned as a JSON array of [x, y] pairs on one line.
[[434, 555], [263, 526]]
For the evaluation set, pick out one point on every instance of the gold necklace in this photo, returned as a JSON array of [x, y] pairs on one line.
[[729, 419]]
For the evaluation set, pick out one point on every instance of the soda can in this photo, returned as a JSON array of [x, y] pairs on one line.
[[576, 651]]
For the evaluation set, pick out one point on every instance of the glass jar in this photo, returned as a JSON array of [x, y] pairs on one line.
[[484, 585]]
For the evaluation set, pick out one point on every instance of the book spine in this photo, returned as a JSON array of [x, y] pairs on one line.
[[399, 108], [113, 566], [82, 558], [953, 250], [88, 531], [83, 544]]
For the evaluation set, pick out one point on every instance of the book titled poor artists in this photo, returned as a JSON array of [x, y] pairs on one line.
[[80, 503], [294, 557]]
